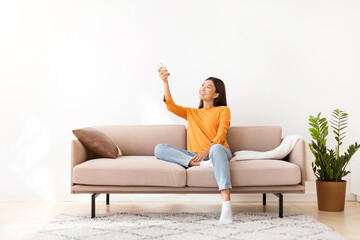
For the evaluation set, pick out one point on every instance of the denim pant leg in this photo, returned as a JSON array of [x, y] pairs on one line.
[[220, 156], [172, 154]]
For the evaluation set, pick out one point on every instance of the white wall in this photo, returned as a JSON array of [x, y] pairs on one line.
[[73, 64]]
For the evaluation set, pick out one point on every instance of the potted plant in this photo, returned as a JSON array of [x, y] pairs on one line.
[[329, 166]]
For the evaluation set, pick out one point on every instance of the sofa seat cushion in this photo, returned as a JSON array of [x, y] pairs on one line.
[[130, 171], [248, 173]]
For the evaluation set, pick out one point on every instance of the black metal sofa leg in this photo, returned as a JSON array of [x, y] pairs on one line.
[[93, 196], [280, 196], [264, 199], [107, 199]]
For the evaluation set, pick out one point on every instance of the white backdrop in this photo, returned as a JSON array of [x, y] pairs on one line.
[[73, 64]]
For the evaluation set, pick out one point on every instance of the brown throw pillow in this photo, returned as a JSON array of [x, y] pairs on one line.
[[97, 142]]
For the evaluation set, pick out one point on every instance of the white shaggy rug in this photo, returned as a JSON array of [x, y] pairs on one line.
[[185, 226]]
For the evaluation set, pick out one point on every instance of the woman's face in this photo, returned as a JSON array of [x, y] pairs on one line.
[[207, 91]]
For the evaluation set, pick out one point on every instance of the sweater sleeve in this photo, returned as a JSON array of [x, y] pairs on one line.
[[224, 124], [175, 109]]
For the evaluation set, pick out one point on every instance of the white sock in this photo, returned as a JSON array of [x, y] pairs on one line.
[[226, 213], [207, 163]]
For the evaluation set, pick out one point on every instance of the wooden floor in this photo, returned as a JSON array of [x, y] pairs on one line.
[[18, 220]]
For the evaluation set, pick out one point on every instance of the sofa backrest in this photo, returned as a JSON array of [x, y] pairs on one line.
[[255, 138], [141, 140]]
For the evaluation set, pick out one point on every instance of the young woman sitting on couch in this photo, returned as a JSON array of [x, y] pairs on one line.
[[206, 136]]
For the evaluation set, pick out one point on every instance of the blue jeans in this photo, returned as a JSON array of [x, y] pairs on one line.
[[219, 155]]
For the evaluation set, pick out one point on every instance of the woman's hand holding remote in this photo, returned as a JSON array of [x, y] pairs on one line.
[[163, 73]]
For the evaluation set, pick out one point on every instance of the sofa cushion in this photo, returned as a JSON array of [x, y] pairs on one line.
[[130, 171], [265, 172], [97, 142], [255, 138]]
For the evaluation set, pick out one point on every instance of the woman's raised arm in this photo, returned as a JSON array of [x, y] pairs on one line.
[[170, 105], [163, 73]]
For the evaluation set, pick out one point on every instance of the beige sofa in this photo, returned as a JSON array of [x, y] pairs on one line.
[[139, 171]]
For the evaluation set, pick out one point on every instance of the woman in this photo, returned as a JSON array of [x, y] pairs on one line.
[[206, 136]]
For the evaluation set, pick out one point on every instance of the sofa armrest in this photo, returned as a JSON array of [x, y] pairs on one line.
[[297, 156], [79, 154]]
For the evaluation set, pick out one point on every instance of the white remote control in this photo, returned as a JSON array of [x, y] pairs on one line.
[[161, 65]]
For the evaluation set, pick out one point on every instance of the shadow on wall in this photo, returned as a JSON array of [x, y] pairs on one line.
[[26, 158]]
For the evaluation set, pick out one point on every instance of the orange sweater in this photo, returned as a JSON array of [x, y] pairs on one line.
[[205, 125]]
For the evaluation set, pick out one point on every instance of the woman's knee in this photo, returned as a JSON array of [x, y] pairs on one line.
[[160, 148], [216, 147]]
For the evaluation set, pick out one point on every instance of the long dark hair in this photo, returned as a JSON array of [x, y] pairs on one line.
[[219, 88]]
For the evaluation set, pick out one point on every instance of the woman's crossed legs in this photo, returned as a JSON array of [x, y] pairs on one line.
[[219, 155]]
